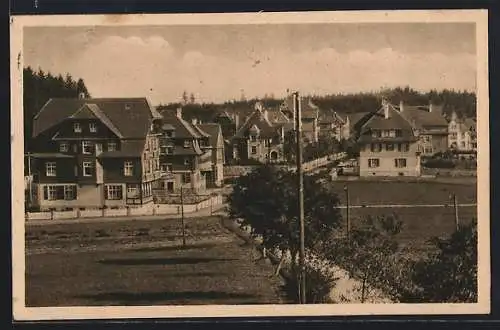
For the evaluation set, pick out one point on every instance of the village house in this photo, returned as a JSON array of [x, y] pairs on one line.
[[185, 155], [95, 153], [388, 144], [462, 133], [261, 136], [334, 126], [429, 125], [309, 113], [215, 142]]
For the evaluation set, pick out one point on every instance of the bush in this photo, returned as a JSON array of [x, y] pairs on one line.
[[318, 287], [439, 163]]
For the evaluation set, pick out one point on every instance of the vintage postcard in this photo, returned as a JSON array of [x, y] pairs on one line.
[[250, 164]]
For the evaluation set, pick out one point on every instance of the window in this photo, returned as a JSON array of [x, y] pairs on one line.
[[111, 146], [77, 128], [86, 147], [186, 178], [186, 143], [114, 192], [50, 169], [400, 162], [376, 133], [132, 190], [93, 127], [254, 150], [403, 147], [64, 147], [168, 134], [428, 150], [453, 136], [389, 147], [462, 144], [399, 133], [373, 162], [170, 150], [376, 147], [166, 167], [128, 168], [87, 168], [186, 161], [51, 193], [69, 192]]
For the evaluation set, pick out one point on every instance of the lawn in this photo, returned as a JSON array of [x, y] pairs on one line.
[[400, 192], [142, 263]]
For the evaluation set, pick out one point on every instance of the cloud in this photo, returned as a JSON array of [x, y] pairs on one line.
[[134, 66]]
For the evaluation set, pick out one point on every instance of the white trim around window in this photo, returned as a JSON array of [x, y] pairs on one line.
[[87, 168], [77, 128], [128, 168], [373, 162], [86, 147], [63, 147], [50, 169], [93, 127]]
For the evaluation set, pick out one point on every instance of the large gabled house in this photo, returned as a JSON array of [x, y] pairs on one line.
[[429, 125], [334, 125], [388, 144], [95, 153], [214, 142], [259, 138], [185, 155]]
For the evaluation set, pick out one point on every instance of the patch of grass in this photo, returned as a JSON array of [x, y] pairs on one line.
[[209, 272]]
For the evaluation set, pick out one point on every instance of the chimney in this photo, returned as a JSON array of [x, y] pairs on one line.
[[385, 104], [430, 107], [81, 95], [237, 121], [401, 106], [178, 113]]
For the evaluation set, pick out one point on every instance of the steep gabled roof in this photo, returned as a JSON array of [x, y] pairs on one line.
[[421, 117], [183, 129], [308, 108], [91, 111], [130, 116], [377, 121], [214, 130], [331, 117], [257, 119]]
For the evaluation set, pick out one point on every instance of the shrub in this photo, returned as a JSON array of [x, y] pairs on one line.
[[318, 286]]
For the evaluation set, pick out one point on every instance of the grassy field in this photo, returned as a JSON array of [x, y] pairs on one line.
[[399, 192], [142, 263]]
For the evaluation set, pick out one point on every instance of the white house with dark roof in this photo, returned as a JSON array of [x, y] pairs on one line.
[[462, 133]]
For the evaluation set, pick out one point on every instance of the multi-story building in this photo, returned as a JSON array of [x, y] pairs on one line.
[[94, 153], [261, 136], [388, 144], [185, 155], [335, 126], [429, 126], [309, 113], [462, 133], [215, 142]]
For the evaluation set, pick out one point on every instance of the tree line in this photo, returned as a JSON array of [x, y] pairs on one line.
[[265, 201], [40, 86]]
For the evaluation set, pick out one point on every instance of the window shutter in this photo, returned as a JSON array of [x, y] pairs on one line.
[[45, 193], [60, 192], [120, 192], [105, 192]]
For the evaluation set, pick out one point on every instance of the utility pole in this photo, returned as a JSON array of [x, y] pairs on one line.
[[348, 220], [182, 220], [298, 131], [455, 206]]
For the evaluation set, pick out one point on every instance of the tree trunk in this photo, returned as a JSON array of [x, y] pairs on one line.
[[280, 264]]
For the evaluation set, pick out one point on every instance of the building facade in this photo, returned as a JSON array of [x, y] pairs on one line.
[[388, 145], [95, 153], [462, 133]]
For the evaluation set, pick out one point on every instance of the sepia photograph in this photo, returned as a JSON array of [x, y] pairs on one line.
[[251, 164]]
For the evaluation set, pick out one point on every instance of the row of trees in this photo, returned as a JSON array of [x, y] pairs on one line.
[[266, 201], [39, 86]]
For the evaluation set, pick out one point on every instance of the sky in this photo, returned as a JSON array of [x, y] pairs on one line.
[[221, 62]]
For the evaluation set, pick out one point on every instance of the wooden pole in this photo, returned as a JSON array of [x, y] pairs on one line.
[[182, 220], [348, 219], [455, 205], [298, 130]]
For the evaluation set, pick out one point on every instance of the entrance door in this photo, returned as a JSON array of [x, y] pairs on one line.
[[170, 186]]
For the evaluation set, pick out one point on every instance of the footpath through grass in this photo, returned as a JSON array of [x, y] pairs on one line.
[[143, 263]]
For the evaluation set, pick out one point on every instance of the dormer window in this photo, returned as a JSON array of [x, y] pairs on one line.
[[77, 128], [253, 138], [93, 127], [187, 143], [111, 146], [63, 147]]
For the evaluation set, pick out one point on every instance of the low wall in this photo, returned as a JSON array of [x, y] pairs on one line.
[[448, 172], [146, 210]]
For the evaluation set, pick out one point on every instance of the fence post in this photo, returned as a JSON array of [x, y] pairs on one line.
[[77, 213], [51, 214]]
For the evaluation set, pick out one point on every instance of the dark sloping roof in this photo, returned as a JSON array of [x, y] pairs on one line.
[[213, 130], [277, 116], [421, 117], [257, 119], [193, 149], [331, 117], [130, 116], [395, 120], [91, 110], [129, 148], [183, 129], [51, 155], [470, 124]]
